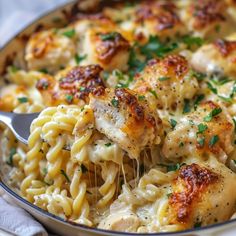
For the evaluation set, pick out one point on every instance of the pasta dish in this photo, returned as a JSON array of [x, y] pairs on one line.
[[137, 123]]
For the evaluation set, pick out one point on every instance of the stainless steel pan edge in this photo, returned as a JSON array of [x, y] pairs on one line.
[[15, 49]]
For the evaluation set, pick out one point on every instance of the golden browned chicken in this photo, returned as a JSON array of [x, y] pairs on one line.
[[218, 57], [207, 130], [125, 119], [167, 82]]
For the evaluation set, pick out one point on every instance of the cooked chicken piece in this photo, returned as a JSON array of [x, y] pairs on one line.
[[176, 200], [125, 120], [49, 50], [158, 18], [202, 194], [218, 57], [121, 221], [207, 130], [9, 96], [109, 49], [100, 43], [72, 85], [167, 82], [208, 18]]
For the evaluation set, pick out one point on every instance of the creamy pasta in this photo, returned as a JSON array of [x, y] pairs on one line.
[[136, 131]]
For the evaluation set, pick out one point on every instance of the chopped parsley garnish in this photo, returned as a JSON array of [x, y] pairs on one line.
[[65, 175], [81, 89], [22, 99], [114, 102], [79, 58], [44, 70], [201, 141], [198, 100], [84, 168], [141, 97], [234, 124], [108, 36], [69, 98], [192, 41], [135, 65], [45, 171], [13, 69], [201, 128], [107, 144], [219, 80], [69, 33], [213, 113], [11, 154], [200, 76], [173, 123], [153, 93], [187, 107], [213, 89], [197, 224], [154, 47], [213, 140], [174, 167], [181, 144], [106, 75], [217, 28], [164, 78]]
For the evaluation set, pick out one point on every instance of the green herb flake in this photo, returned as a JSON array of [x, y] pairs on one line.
[[197, 224], [201, 141], [135, 65], [79, 58], [187, 107], [154, 47], [44, 70], [192, 41], [108, 36], [84, 168], [213, 140], [69, 33], [201, 128], [173, 123], [234, 121], [82, 89], [164, 78], [174, 167], [114, 102], [213, 89], [45, 171], [217, 28], [65, 175], [153, 93], [69, 98], [11, 154], [141, 97], [22, 99], [13, 69], [213, 113], [107, 144], [198, 99], [181, 144], [106, 75], [200, 76]]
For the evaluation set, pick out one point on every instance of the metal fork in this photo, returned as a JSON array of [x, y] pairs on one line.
[[19, 124]]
